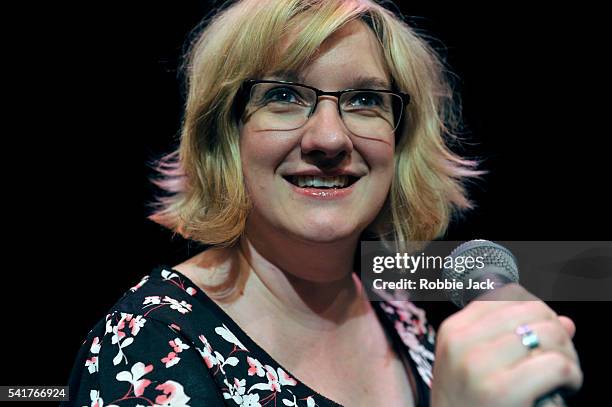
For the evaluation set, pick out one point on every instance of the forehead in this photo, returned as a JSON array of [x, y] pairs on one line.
[[351, 57]]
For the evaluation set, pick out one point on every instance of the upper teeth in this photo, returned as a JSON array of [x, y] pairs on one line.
[[312, 181]]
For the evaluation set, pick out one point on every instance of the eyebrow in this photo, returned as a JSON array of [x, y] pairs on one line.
[[357, 82]]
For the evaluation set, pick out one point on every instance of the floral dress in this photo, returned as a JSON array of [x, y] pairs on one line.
[[166, 343]]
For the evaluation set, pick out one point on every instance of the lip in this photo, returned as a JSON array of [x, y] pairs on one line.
[[324, 194], [323, 174]]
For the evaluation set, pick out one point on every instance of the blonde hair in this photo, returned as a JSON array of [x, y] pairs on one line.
[[207, 199]]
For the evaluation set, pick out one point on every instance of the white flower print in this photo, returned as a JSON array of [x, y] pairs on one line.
[[96, 401], [191, 291], [92, 364], [182, 307], [424, 366], [173, 395], [232, 361], [236, 393], [309, 401], [275, 380], [167, 275], [250, 400], [153, 300], [95, 345], [178, 345], [136, 324], [109, 324], [226, 334], [135, 377], [206, 353], [120, 339]]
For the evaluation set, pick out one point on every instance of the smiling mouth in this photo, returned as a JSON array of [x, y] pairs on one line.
[[318, 182]]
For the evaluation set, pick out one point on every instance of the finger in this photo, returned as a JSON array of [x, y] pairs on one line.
[[508, 350], [569, 325], [493, 300], [501, 322], [538, 375]]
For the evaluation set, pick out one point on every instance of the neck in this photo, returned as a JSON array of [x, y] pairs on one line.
[[309, 282]]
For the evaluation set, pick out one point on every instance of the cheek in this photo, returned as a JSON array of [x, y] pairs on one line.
[[260, 155], [379, 157]]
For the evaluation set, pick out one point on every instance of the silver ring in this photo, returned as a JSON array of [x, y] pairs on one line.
[[529, 339]]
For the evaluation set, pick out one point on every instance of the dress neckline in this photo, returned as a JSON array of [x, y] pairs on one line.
[[252, 345]]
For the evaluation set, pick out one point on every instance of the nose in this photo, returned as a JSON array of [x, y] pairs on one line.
[[325, 139]]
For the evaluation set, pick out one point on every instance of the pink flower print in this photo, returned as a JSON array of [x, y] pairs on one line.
[[136, 324], [206, 353], [178, 346], [191, 291], [96, 401], [92, 364], [174, 395], [175, 327], [182, 307], [95, 346], [285, 379], [255, 367], [171, 359], [226, 334], [135, 377], [153, 300], [118, 330], [140, 284]]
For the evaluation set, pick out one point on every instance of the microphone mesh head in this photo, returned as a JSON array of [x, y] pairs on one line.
[[492, 254]]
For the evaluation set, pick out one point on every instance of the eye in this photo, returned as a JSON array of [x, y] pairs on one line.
[[366, 100], [283, 94]]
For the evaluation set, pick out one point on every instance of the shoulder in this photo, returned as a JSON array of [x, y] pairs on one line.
[[145, 348], [209, 268], [134, 359]]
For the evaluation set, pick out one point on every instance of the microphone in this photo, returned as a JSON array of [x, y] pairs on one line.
[[500, 267]]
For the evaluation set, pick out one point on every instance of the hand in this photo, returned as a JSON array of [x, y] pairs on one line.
[[480, 360]]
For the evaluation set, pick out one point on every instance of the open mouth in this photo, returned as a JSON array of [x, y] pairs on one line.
[[318, 182]]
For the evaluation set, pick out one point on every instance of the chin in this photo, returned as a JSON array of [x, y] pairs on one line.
[[331, 232]]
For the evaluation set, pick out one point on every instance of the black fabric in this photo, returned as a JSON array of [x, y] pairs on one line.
[[166, 342]]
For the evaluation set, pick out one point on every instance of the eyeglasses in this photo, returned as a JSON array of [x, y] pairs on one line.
[[280, 105]]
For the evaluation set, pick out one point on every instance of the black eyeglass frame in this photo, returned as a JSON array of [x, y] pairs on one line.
[[245, 93]]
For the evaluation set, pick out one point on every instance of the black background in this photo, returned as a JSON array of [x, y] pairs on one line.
[[92, 93]]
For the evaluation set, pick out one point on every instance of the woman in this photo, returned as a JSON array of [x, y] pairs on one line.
[[308, 125]]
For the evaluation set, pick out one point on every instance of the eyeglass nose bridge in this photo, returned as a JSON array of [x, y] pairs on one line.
[[320, 93]]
